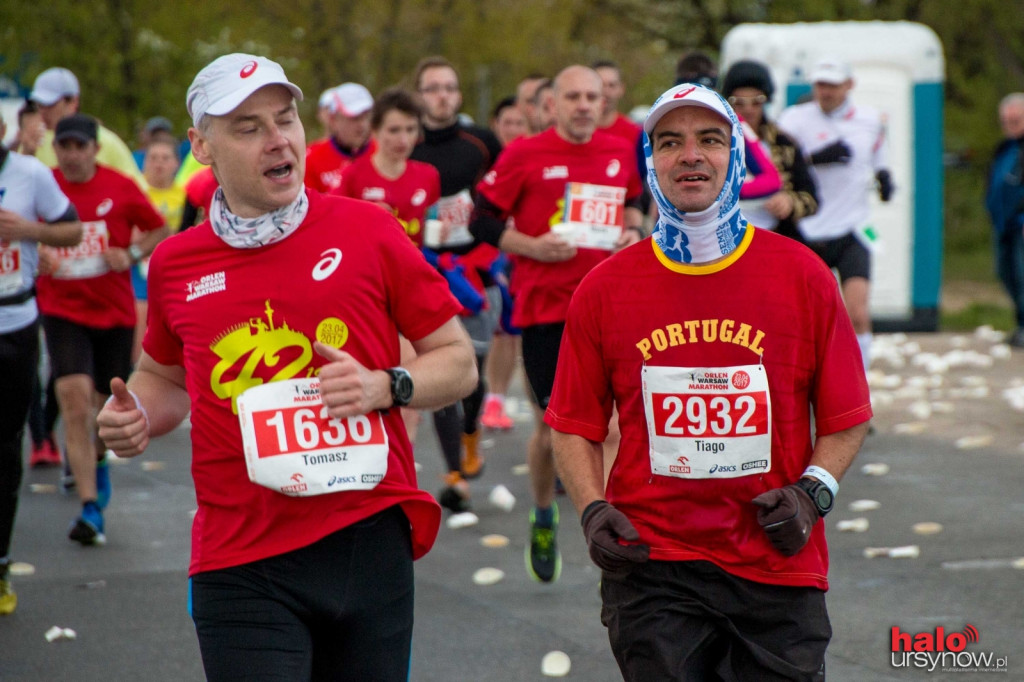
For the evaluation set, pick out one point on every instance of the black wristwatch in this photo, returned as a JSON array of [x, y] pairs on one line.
[[401, 386], [819, 493]]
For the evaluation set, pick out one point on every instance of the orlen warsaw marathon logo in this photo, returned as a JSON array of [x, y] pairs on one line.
[[940, 651]]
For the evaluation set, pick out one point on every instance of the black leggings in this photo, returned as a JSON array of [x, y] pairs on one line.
[[19, 359], [340, 609], [450, 423]]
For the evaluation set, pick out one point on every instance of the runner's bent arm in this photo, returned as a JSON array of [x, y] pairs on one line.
[[835, 452], [580, 465], [444, 371], [160, 392], [488, 224], [65, 231]]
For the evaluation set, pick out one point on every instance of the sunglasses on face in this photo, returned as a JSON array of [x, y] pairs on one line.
[[747, 101]]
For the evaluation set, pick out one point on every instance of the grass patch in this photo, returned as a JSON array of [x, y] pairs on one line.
[[976, 315]]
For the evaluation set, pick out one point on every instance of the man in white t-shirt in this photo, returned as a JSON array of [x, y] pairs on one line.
[[845, 144], [33, 210]]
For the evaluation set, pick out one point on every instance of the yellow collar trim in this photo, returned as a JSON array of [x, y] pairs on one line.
[[710, 268]]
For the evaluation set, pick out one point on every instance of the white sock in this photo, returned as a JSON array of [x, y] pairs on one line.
[[495, 396], [864, 341]]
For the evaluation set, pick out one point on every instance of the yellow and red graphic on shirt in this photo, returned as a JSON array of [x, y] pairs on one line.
[[701, 331], [260, 351]]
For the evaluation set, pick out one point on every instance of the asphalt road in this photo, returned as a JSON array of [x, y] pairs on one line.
[[948, 427]]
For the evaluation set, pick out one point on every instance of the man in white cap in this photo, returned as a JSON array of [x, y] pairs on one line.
[[57, 94], [845, 144], [708, 534], [276, 323], [345, 113]]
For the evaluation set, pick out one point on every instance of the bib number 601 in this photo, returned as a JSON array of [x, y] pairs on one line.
[[704, 415]]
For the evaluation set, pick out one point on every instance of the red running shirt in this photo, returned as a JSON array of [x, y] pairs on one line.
[[407, 197], [528, 183], [235, 318], [771, 301], [109, 206], [325, 164]]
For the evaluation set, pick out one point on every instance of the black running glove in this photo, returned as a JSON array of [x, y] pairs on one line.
[[885, 185], [787, 516], [837, 152], [603, 525]]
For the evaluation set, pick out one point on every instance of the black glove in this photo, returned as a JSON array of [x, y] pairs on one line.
[[885, 185], [603, 525], [837, 152], [787, 516]]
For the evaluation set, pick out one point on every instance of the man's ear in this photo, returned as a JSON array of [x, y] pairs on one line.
[[200, 146]]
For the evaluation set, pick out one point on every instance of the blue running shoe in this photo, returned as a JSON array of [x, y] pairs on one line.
[[87, 529], [103, 485]]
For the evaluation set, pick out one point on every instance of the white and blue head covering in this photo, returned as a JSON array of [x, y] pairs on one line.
[[698, 237]]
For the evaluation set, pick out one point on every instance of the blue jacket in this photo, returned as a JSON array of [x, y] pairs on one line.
[[1004, 197]]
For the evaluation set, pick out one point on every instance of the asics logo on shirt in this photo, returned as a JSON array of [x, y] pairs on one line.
[[104, 207], [613, 168], [419, 197], [328, 263]]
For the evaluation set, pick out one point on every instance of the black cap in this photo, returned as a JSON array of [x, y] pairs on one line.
[[77, 126], [748, 74]]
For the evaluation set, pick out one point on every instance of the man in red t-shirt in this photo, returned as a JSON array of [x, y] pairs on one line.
[[737, 337], [567, 179], [276, 324], [345, 113], [87, 304]]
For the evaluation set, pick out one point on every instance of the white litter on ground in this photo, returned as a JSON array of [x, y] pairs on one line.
[[555, 664], [905, 552], [859, 525], [488, 576], [463, 520], [864, 505], [927, 528], [875, 469]]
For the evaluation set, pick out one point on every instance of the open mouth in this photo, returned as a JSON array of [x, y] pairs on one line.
[[694, 177], [278, 172]]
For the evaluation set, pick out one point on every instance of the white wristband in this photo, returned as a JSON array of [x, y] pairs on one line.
[[825, 477]]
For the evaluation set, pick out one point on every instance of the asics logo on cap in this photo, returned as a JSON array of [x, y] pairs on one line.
[[248, 70], [684, 93]]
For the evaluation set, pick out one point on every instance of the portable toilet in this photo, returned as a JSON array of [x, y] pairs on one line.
[[898, 69]]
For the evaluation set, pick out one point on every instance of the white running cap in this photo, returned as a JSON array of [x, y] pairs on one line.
[[53, 84], [223, 84]]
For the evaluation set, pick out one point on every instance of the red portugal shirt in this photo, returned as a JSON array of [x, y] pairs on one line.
[[529, 183], [84, 289], [325, 162], [237, 318], [407, 197], [770, 308]]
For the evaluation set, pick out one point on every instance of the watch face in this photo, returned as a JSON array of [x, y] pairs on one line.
[[824, 500], [401, 386]]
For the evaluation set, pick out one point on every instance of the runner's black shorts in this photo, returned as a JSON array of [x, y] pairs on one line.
[[77, 349], [847, 255], [690, 620], [540, 356], [340, 609]]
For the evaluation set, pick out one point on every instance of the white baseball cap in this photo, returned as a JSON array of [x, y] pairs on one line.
[[227, 81], [686, 95], [831, 70], [53, 84], [349, 99]]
